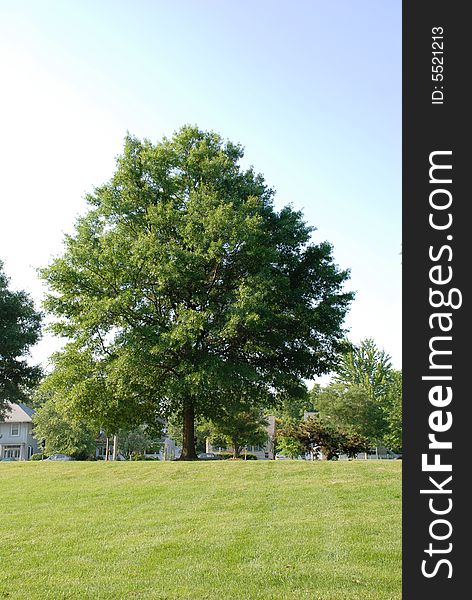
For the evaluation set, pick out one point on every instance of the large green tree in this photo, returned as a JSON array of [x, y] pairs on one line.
[[20, 328], [190, 289]]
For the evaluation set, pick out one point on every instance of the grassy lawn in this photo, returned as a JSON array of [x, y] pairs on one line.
[[193, 531]]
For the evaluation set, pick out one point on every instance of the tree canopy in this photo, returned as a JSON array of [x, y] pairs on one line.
[[20, 328], [188, 290], [392, 406], [366, 396], [240, 428], [62, 433], [322, 435], [368, 366], [352, 408]]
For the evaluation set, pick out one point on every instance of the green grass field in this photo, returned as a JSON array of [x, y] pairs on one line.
[[194, 531]]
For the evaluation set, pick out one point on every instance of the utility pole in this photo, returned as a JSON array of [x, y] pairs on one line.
[[115, 442]]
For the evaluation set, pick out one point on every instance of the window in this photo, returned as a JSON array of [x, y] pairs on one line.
[[11, 452], [15, 429]]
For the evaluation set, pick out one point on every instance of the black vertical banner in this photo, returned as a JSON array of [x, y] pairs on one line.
[[437, 253]]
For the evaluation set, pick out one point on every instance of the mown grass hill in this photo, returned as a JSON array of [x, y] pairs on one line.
[[201, 531]]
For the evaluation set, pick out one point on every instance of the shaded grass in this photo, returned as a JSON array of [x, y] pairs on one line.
[[201, 531]]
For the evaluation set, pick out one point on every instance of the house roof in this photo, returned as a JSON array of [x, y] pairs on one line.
[[18, 413]]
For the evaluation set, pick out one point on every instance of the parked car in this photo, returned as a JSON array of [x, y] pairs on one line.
[[279, 456], [208, 456], [59, 457]]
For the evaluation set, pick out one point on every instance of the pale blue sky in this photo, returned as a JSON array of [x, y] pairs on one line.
[[312, 89]]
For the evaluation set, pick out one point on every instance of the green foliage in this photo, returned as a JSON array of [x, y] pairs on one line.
[[37, 456], [186, 289], [224, 455], [392, 407], [290, 446], [84, 391], [20, 327], [240, 429], [353, 443], [366, 366], [352, 408], [289, 413], [63, 434], [174, 429], [292, 406], [366, 396], [137, 456], [138, 441], [317, 435]]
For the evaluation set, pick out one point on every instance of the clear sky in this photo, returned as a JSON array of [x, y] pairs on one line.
[[312, 89]]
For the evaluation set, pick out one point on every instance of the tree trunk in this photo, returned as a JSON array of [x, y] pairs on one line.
[[188, 443], [236, 449], [107, 448]]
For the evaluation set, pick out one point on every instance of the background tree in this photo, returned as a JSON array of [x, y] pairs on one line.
[[20, 328], [322, 435], [367, 366], [239, 429], [292, 406], [62, 433], [191, 289], [288, 440], [317, 435], [392, 407], [367, 395], [289, 413], [139, 441], [352, 408], [352, 443]]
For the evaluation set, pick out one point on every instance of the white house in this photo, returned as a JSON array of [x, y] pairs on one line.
[[16, 433]]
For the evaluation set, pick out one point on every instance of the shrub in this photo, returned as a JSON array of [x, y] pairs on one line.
[[37, 456], [229, 456], [225, 455], [136, 456]]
